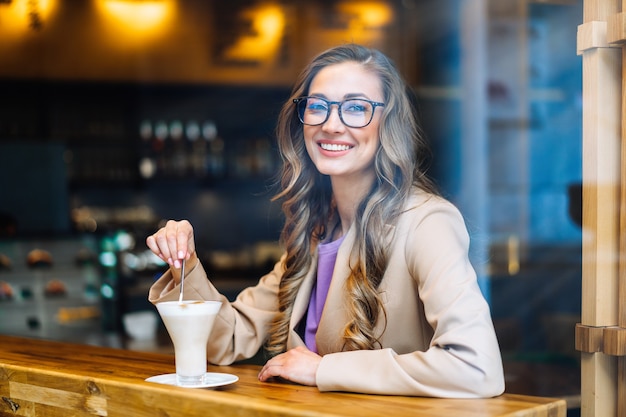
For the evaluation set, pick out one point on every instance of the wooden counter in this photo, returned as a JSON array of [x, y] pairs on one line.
[[43, 378]]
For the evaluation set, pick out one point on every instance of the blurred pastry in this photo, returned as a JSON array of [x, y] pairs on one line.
[[6, 291], [38, 257], [5, 262], [55, 288]]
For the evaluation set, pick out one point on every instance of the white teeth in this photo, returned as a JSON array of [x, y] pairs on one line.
[[334, 147]]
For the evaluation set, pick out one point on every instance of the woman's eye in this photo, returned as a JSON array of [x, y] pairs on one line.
[[355, 108], [316, 107]]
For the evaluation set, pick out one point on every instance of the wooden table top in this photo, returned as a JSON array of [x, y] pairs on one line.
[[44, 378]]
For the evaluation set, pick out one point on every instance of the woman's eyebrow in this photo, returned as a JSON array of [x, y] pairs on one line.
[[345, 97], [355, 95]]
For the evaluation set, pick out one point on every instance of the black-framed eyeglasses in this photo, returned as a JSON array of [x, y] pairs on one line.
[[353, 112]]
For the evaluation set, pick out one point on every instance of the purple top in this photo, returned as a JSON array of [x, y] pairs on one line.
[[327, 255]]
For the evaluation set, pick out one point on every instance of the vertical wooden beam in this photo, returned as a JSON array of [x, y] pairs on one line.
[[601, 179], [601, 170], [621, 361], [601, 200], [616, 35], [621, 386]]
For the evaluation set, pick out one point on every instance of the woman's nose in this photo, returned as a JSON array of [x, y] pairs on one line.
[[334, 122]]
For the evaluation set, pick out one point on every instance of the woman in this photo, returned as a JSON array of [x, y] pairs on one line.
[[375, 292]]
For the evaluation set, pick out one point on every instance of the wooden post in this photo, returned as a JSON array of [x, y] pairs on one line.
[[621, 361], [615, 342], [602, 91], [616, 34]]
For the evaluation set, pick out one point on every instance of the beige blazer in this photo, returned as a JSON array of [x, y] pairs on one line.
[[438, 340]]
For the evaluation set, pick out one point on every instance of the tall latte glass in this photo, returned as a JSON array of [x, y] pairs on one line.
[[189, 325]]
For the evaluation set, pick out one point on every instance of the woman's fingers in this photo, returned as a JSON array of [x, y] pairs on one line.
[[173, 242], [297, 365], [184, 240]]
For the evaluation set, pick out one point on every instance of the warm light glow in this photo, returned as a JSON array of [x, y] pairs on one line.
[[368, 15], [268, 22], [22, 15], [137, 17], [513, 255]]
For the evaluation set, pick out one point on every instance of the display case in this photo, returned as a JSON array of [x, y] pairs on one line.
[[50, 288]]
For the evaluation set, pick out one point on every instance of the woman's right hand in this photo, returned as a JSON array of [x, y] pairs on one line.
[[173, 243]]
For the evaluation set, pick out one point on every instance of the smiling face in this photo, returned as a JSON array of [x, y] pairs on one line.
[[335, 149]]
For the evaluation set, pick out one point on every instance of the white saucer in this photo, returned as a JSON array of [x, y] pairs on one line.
[[210, 380]]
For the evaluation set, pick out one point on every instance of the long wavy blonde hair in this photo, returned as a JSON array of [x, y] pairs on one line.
[[307, 200]]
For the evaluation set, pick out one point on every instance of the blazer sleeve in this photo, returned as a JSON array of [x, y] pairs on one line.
[[463, 359], [241, 327]]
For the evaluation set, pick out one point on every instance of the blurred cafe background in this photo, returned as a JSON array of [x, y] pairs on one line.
[[118, 114]]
